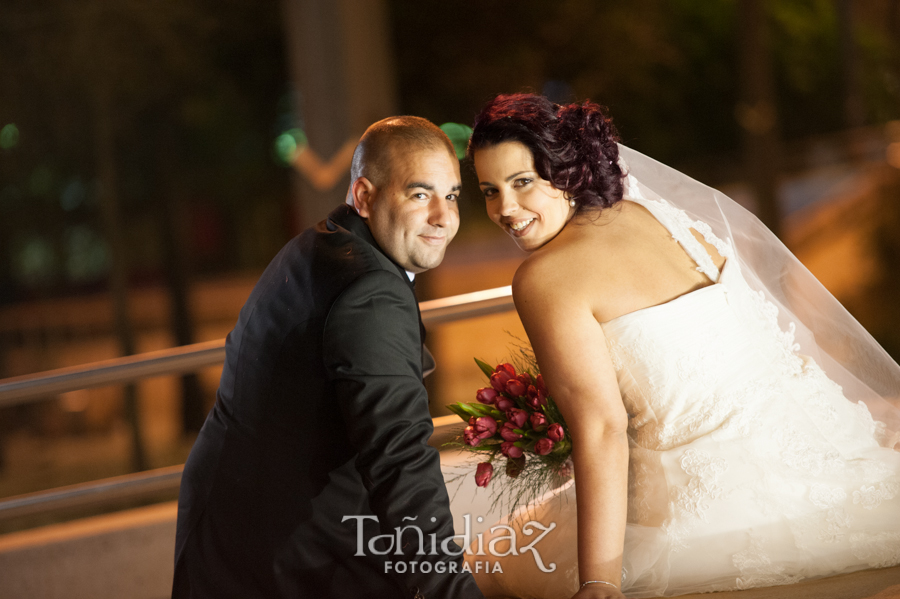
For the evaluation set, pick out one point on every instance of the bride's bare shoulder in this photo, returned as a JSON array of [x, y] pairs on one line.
[[580, 259]]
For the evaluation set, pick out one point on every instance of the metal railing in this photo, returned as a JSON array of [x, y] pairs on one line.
[[40, 386], [187, 358]]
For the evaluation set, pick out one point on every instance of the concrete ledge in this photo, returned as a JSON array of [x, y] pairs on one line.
[[130, 554], [126, 554], [883, 583]]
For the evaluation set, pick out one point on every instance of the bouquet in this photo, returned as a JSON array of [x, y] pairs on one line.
[[517, 421]]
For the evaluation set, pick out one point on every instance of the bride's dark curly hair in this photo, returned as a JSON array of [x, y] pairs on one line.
[[574, 146]]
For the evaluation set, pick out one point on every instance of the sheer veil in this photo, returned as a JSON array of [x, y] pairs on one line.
[[821, 327]]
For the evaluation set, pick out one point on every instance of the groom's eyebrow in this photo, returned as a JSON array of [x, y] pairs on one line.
[[430, 187]]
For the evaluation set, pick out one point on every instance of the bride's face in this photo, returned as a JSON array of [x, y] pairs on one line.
[[527, 207]]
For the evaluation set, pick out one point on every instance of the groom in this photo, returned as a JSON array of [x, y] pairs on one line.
[[318, 441]]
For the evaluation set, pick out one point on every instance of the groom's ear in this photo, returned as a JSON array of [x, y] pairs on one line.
[[363, 194]]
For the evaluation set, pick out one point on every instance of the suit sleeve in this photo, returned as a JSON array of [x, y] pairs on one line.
[[372, 351]]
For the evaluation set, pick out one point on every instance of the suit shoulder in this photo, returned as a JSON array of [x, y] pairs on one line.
[[347, 256], [379, 287]]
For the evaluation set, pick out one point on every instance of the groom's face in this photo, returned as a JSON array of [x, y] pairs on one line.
[[414, 214]]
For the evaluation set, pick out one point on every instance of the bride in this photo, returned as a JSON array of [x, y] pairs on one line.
[[704, 375]]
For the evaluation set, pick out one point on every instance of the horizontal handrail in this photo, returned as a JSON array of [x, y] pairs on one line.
[[187, 358], [102, 493], [95, 493]]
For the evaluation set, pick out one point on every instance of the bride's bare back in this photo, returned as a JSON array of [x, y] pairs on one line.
[[624, 259]]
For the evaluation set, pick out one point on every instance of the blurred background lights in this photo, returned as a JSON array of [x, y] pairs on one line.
[[35, 261], [289, 142], [87, 254], [893, 154], [459, 135], [9, 136], [73, 195], [892, 129]]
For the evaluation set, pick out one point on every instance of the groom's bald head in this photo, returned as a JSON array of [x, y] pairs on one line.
[[392, 139]]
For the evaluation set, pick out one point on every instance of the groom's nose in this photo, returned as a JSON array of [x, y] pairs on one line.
[[440, 214]]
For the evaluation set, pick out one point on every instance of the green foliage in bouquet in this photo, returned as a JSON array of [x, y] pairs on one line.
[[515, 423]]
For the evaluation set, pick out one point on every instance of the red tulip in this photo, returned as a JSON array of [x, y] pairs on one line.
[[470, 437], [517, 417], [487, 395], [504, 403], [511, 451], [543, 446], [485, 427], [498, 380], [508, 433], [536, 397], [539, 383], [538, 422], [555, 432], [507, 368], [514, 466], [483, 473], [515, 387], [567, 469]]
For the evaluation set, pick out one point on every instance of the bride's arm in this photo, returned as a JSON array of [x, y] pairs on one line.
[[571, 350]]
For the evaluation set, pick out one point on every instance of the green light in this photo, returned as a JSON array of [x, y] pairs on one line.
[[9, 136], [459, 135], [288, 143]]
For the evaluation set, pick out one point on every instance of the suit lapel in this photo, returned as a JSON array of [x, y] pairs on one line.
[[347, 217]]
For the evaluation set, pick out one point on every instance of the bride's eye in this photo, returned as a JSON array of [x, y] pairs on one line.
[[522, 182], [488, 192]]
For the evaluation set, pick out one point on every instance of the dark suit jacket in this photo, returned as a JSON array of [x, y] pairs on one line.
[[320, 414]]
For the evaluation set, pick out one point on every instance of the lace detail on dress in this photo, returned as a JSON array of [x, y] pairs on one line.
[[874, 471], [831, 524], [704, 471], [871, 496], [824, 497], [766, 310], [878, 550], [798, 453], [757, 569], [865, 418], [680, 230], [768, 315], [639, 508]]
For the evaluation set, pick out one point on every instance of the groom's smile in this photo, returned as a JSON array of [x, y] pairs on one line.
[[414, 215]]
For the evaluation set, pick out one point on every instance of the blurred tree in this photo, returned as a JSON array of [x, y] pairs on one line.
[[668, 70], [756, 112], [157, 89], [884, 294], [854, 110]]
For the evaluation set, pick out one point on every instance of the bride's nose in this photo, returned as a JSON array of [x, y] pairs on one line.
[[508, 204]]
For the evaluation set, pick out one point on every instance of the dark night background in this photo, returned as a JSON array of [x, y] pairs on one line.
[[138, 156]]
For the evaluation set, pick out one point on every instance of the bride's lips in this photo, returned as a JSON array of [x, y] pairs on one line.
[[520, 232]]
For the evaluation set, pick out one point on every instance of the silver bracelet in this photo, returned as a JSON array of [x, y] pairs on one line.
[[584, 584]]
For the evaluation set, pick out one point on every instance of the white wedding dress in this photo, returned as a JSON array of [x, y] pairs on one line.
[[748, 466]]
